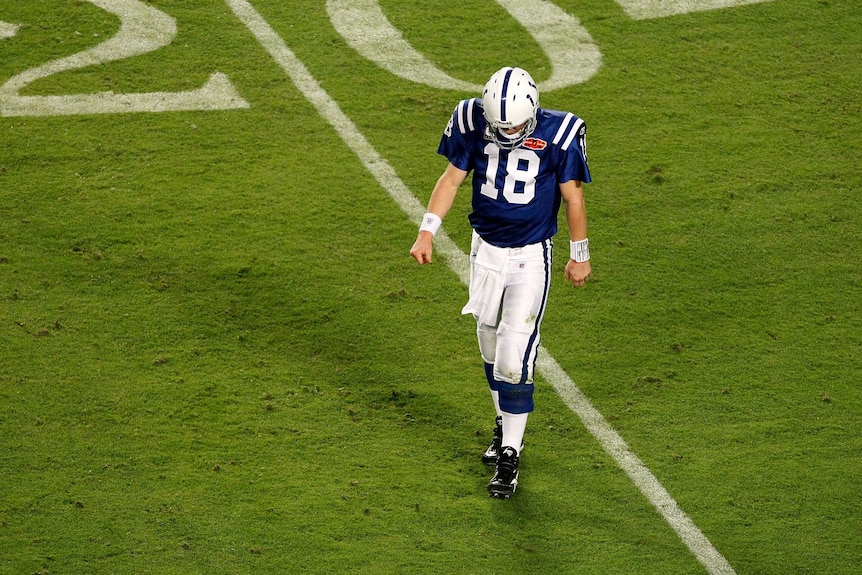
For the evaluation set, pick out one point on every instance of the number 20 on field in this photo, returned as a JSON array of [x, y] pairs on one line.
[[573, 55]]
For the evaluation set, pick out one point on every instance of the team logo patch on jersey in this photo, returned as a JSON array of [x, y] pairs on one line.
[[535, 144]]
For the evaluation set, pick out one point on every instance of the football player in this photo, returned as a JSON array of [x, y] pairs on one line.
[[526, 162]]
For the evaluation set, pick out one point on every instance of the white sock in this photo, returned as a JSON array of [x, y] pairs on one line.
[[495, 395], [514, 426]]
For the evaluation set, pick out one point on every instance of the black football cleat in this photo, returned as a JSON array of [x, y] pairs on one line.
[[505, 479], [493, 452]]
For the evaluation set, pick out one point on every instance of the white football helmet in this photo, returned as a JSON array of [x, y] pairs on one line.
[[510, 99]]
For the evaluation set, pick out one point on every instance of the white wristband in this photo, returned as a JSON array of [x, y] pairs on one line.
[[580, 250], [430, 223]]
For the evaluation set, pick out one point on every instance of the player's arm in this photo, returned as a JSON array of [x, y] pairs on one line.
[[576, 218], [439, 205]]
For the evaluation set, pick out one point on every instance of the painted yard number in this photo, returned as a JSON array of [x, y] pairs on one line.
[[573, 55]]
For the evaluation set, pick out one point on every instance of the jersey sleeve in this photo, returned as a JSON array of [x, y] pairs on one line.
[[572, 139], [454, 144]]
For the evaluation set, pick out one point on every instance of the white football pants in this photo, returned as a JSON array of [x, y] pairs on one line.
[[511, 343]]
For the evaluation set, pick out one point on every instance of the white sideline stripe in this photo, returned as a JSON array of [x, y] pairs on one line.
[[609, 439]]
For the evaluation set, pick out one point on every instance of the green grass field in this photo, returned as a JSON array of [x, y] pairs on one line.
[[216, 355]]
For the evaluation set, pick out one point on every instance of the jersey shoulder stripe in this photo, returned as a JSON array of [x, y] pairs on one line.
[[570, 128], [563, 126], [465, 115], [577, 131]]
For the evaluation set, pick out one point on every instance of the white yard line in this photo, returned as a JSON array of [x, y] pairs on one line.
[[610, 440], [642, 477], [7, 30]]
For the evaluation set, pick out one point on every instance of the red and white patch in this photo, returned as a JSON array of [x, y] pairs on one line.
[[535, 144]]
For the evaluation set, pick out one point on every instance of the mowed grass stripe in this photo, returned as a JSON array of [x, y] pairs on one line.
[[610, 440]]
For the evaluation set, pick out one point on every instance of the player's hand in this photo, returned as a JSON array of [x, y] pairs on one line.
[[578, 272], [422, 248]]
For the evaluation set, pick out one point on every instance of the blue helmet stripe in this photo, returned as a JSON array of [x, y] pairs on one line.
[[503, 94]]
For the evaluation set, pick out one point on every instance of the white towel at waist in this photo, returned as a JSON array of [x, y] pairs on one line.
[[488, 266]]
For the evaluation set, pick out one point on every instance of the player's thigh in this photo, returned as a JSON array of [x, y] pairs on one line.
[[525, 295], [518, 333]]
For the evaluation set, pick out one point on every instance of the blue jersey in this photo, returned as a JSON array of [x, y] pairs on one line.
[[516, 196]]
